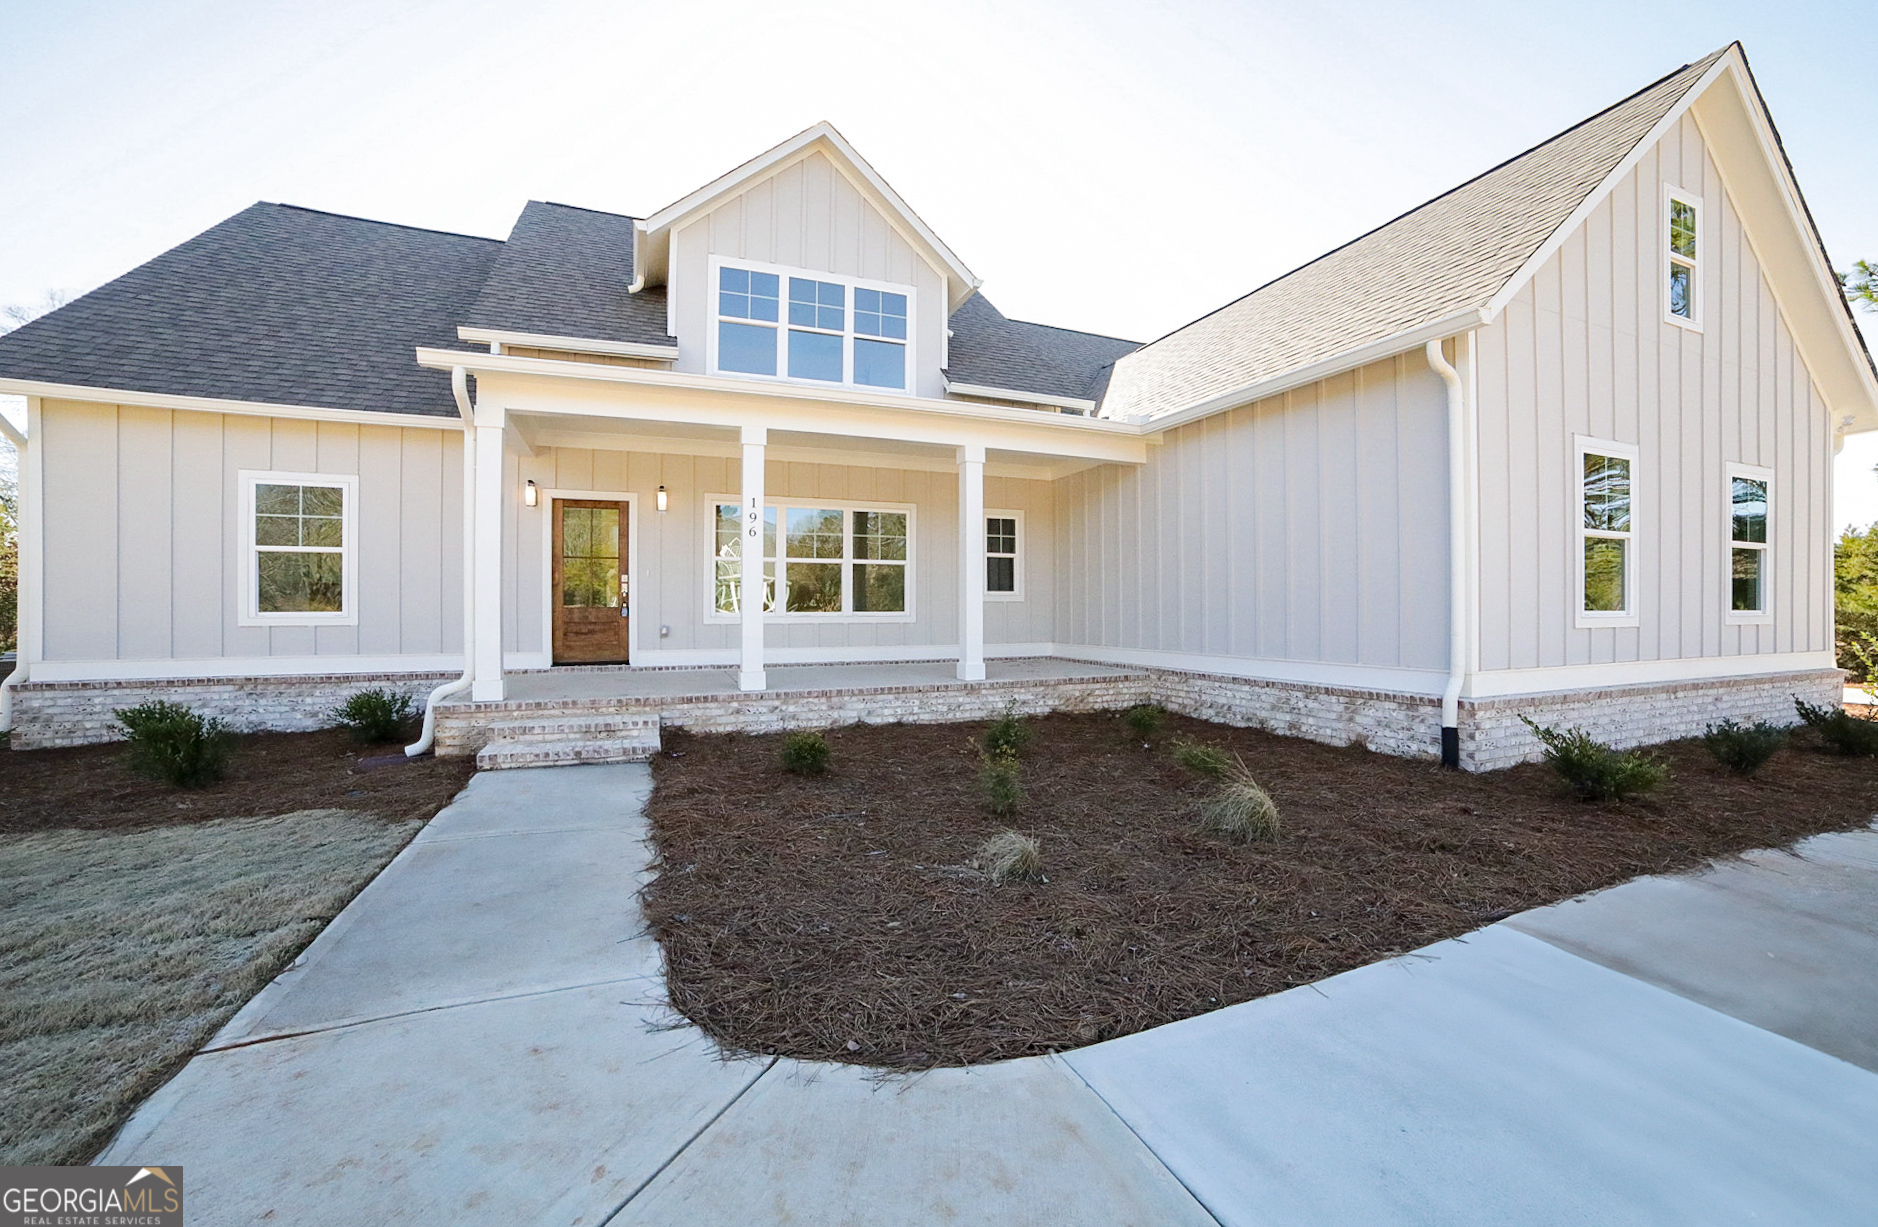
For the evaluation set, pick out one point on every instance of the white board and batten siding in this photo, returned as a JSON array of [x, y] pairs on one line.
[[673, 570], [1584, 350], [143, 537], [808, 216], [1310, 526]]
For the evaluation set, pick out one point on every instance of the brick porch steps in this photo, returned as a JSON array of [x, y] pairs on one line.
[[560, 740]]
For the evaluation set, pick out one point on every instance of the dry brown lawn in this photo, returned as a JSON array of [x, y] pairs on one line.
[[135, 918]]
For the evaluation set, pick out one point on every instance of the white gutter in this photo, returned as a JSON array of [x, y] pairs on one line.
[[584, 345], [1032, 398], [459, 386], [1457, 557], [20, 667]]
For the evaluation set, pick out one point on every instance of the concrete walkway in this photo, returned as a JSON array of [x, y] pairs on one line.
[[479, 1038]]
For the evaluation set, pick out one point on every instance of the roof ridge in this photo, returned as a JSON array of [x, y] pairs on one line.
[[1081, 332], [373, 221], [1500, 165], [585, 209]]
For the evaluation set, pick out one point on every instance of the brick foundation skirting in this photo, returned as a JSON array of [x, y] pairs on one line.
[[48, 714], [1493, 736], [463, 728]]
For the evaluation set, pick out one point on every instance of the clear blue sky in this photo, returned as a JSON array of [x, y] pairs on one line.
[[1121, 168]]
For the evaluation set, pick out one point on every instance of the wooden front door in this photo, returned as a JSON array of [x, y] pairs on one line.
[[591, 604]]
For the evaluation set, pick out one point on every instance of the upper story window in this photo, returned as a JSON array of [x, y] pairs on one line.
[[822, 327], [1682, 290], [1606, 533]]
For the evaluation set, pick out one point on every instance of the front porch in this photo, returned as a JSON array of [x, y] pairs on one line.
[[548, 715]]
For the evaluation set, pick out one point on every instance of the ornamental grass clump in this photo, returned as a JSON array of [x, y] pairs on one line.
[[1145, 721], [1207, 762], [1840, 729], [1240, 809], [376, 714], [1009, 733], [805, 754], [1595, 771], [1742, 748], [1004, 788], [1010, 857], [175, 744]]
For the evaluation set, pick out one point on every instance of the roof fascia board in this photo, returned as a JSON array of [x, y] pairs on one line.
[[1034, 398], [1558, 238], [1787, 189], [1349, 359], [543, 340], [209, 404], [855, 169], [714, 401]]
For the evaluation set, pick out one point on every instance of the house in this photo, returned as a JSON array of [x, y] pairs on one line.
[[1557, 442]]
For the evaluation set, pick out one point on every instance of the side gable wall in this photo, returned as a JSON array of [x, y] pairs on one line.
[[1303, 537], [1584, 350], [809, 216]]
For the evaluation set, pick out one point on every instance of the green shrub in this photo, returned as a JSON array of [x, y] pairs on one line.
[[1004, 789], [1010, 857], [1144, 721], [376, 714], [805, 753], [1840, 729], [1594, 770], [173, 743], [1742, 748], [1240, 809], [1207, 762], [1010, 733]]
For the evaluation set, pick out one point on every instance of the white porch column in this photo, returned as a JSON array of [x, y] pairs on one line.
[[491, 502], [750, 666], [972, 563]]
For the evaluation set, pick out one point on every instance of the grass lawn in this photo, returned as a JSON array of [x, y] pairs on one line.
[[838, 917], [136, 919]]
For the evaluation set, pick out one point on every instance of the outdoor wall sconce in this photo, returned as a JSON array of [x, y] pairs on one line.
[[530, 495], [661, 498]]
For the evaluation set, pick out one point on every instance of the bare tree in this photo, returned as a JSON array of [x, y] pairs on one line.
[[14, 314]]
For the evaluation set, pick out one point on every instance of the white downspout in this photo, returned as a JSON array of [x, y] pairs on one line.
[[20, 666], [1457, 557], [459, 386]]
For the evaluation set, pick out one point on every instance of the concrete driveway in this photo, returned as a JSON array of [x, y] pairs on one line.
[[479, 1038]]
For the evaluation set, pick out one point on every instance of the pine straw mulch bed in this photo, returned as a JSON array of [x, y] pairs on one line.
[[91, 787], [834, 918]]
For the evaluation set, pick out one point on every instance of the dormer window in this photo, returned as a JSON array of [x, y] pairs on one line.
[[835, 330]]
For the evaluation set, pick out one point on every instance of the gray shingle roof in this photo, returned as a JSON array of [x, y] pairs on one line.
[[1444, 257], [992, 351], [277, 304], [564, 272]]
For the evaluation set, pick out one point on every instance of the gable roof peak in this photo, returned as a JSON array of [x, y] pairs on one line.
[[821, 137]]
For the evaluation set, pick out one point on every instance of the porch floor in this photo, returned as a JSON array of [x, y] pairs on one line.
[[572, 682]]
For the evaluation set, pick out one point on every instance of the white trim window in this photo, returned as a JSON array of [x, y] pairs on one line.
[[1750, 515], [1004, 570], [1607, 547], [299, 549], [772, 322], [1682, 245], [836, 561]]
